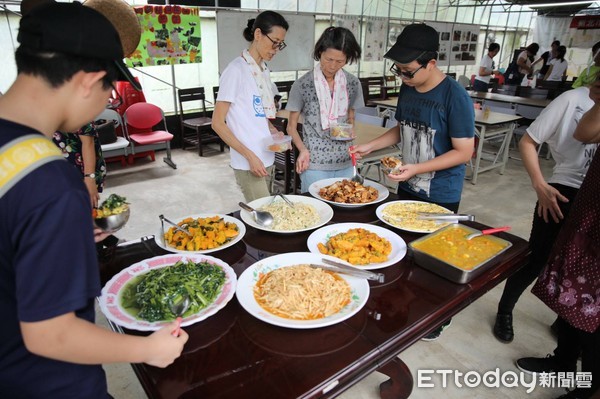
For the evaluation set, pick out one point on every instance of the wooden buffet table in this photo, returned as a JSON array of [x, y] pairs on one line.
[[234, 355]]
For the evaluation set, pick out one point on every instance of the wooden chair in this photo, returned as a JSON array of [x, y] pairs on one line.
[[283, 164], [284, 89], [141, 120], [215, 93], [201, 125]]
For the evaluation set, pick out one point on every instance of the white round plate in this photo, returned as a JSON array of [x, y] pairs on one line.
[[435, 226], [325, 212], [160, 239], [110, 299], [245, 291], [314, 188], [324, 233]]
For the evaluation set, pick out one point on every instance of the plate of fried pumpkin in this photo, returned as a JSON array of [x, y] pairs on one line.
[[207, 233], [363, 245]]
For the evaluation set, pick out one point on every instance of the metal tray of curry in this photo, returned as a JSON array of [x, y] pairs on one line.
[[449, 254]]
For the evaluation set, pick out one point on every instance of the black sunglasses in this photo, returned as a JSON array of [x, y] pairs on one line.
[[276, 45], [402, 74]]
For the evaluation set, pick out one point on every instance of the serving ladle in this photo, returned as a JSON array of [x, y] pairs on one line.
[[179, 308], [263, 218], [356, 177], [486, 232]]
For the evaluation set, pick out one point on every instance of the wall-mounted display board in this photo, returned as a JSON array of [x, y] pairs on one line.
[[458, 43], [300, 40]]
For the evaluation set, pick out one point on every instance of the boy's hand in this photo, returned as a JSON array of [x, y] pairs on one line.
[[164, 348]]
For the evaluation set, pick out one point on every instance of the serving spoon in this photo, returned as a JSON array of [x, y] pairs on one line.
[[356, 176], [179, 309], [486, 232], [263, 218]]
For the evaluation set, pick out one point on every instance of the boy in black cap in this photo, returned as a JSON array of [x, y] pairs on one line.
[[435, 128], [49, 346]]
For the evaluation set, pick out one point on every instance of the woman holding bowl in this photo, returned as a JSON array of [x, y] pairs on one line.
[[325, 97], [246, 102]]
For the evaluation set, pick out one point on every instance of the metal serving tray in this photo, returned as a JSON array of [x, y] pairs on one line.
[[445, 269]]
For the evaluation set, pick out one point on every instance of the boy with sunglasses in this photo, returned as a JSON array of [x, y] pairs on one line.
[[435, 125]]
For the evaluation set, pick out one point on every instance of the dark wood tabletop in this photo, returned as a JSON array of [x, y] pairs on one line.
[[234, 355]]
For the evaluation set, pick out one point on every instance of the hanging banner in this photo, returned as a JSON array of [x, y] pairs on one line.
[[170, 35], [375, 38], [586, 22]]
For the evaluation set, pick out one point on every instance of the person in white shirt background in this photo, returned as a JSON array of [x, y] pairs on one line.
[[557, 66], [487, 68]]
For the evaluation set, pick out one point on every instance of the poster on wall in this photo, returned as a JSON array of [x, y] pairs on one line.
[[458, 43], [350, 22], [375, 38], [170, 35]]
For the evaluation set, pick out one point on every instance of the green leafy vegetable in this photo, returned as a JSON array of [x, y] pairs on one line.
[[114, 201], [150, 295]]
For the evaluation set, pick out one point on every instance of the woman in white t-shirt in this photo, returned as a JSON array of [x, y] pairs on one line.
[[486, 69], [557, 65], [246, 102]]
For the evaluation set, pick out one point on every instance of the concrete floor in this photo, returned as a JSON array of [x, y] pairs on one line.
[[206, 184]]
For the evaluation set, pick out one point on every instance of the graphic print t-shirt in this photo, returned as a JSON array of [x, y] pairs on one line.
[[428, 121]]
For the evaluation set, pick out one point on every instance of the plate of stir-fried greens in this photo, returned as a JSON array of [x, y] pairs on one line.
[[141, 296]]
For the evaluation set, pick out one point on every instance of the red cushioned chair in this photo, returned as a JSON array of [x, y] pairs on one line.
[[143, 118]]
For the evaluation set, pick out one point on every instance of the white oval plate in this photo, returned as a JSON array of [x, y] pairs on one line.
[[110, 299], [160, 240], [324, 233], [245, 291], [398, 225], [325, 212], [314, 188]]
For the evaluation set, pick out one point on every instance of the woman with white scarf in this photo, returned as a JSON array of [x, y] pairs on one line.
[[325, 96], [246, 102]]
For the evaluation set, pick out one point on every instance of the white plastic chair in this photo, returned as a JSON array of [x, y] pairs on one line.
[[120, 148]]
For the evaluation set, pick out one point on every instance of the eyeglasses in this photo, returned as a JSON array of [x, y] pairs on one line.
[[276, 45], [402, 74]]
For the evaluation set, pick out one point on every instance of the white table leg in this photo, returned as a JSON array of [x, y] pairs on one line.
[[478, 155]]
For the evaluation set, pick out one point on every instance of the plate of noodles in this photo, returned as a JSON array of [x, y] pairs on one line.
[[284, 290], [404, 215], [307, 214]]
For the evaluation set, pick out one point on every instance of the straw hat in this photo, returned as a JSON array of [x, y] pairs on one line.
[[123, 18]]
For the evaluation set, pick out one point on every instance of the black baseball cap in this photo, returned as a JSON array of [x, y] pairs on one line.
[[71, 28], [414, 40]]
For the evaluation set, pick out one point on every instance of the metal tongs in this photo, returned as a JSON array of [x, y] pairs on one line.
[[287, 201], [445, 216], [177, 227], [352, 271]]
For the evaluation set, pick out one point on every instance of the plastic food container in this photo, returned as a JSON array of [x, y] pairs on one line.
[[341, 131], [280, 143], [442, 266], [389, 169]]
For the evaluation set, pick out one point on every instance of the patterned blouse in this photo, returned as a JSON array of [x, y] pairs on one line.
[[71, 146]]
